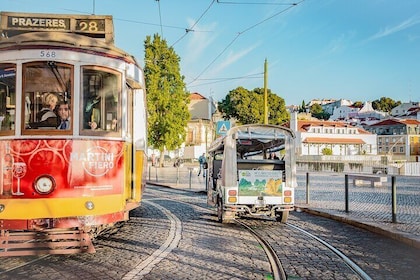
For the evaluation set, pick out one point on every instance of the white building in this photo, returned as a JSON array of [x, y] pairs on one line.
[[358, 116], [312, 136], [404, 109]]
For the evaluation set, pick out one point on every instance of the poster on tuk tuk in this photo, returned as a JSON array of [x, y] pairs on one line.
[[260, 182]]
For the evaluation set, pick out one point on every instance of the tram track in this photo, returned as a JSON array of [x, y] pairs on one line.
[[275, 263], [360, 272], [174, 236], [289, 247], [256, 226]]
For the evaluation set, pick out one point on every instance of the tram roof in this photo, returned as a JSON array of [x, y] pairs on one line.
[[63, 40]]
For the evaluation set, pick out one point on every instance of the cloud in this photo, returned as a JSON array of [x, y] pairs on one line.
[[199, 41], [389, 30], [232, 57], [340, 43]]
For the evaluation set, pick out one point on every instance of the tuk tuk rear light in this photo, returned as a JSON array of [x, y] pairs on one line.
[[232, 199], [232, 193], [288, 199], [287, 193]]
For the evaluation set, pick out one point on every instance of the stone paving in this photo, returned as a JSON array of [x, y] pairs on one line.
[[369, 207]]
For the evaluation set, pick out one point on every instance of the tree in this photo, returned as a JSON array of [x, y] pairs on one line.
[[385, 104], [247, 107], [318, 112], [327, 151], [358, 104], [302, 108], [167, 100]]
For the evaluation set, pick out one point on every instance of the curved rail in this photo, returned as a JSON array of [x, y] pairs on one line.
[[275, 263], [172, 241], [356, 269]]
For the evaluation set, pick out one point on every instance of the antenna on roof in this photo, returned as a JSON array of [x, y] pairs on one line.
[[93, 10]]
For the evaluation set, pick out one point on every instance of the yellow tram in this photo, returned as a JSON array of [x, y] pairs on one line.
[[72, 158]]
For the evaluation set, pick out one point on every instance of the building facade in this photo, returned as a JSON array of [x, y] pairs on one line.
[[200, 129], [397, 136], [314, 136]]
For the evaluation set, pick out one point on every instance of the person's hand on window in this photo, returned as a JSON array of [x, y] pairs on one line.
[[93, 125]]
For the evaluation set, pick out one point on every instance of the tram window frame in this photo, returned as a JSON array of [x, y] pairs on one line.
[[7, 98], [59, 82], [95, 83]]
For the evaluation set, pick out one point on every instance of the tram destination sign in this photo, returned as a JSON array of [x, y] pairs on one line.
[[12, 24]]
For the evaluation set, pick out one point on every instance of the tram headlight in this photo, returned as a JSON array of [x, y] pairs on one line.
[[44, 184]]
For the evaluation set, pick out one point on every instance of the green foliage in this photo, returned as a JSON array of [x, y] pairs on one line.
[[302, 108], [358, 104], [318, 112], [316, 109], [385, 104], [326, 151], [247, 107], [167, 100]]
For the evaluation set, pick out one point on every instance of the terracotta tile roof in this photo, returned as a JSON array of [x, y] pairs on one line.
[[396, 121], [196, 96], [304, 125], [324, 140]]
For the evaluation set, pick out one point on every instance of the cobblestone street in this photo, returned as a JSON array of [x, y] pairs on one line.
[[369, 207]]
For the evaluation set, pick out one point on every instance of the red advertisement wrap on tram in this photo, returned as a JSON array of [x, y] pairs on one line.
[[78, 167], [79, 171]]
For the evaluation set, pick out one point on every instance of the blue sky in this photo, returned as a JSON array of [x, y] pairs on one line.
[[360, 50]]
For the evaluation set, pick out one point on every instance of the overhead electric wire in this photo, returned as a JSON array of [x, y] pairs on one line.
[[253, 3], [192, 27], [239, 34], [221, 80]]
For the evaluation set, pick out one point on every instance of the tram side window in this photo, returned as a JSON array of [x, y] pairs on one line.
[[101, 100], [46, 85], [7, 98]]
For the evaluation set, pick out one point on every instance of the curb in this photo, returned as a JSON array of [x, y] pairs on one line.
[[406, 238]]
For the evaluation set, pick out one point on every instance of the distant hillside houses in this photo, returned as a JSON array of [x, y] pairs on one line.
[[355, 131], [409, 110], [358, 116]]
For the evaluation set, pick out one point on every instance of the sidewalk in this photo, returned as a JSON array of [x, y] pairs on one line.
[[186, 178]]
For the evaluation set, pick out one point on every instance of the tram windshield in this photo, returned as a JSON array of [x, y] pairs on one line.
[[46, 84], [101, 100], [7, 98]]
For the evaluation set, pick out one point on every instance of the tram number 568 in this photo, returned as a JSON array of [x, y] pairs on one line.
[[47, 54]]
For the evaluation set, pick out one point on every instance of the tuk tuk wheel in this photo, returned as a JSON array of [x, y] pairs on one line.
[[282, 216], [219, 209]]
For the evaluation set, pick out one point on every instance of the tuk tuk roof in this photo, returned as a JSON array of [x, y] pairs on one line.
[[253, 137]]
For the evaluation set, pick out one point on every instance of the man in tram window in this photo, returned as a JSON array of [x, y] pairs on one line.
[[92, 113], [46, 118], [63, 111]]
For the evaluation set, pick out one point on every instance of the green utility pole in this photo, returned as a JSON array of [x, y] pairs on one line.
[[265, 94]]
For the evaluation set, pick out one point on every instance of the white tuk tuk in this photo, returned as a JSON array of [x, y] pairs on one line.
[[252, 171]]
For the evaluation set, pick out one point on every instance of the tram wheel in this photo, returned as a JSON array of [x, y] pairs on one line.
[[282, 216]]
